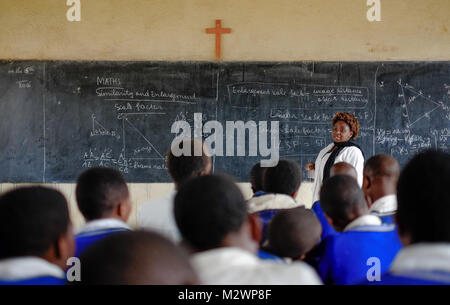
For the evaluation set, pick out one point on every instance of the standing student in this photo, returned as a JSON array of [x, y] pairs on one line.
[[423, 195], [136, 258], [36, 237], [104, 201], [381, 174], [362, 237], [211, 213], [157, 214], [345, 128]]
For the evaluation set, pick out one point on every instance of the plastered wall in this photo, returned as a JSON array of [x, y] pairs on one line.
[[261, 30]]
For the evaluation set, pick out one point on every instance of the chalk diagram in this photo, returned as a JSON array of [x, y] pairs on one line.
[[137, 150], [416, 104]]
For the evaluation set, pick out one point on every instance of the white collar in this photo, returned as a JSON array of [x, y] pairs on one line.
[[27, 267], [225, 256], [366, 220], [99, 224], [271, 202], [422, 257], [384, 205]]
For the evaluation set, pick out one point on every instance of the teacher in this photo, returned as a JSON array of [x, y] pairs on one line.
[[345, 129]]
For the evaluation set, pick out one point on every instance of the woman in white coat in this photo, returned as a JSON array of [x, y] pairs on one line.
[[345, 129]]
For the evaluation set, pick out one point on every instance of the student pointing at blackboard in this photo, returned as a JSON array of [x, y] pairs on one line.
[[343, 149]]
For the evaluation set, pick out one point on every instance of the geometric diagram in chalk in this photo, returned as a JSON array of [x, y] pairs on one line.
[[416, 105], [100, 130], [135, 144]]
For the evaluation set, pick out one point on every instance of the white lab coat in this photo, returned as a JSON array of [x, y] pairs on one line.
[[351, 155]]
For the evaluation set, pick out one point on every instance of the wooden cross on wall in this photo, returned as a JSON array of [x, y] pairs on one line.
[[218, 30]]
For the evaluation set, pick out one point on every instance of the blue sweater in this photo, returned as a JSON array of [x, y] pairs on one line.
[[346, 255], [44, 280], [84, 240]]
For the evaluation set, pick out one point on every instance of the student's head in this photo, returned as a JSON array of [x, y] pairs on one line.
[[257, 177], [186, 159], [343, 168], [342, 201], [34, 221], [381, 174], [102, 192], [136, 258], [423, 196], [284, 178], [210, 212], [293, 233]]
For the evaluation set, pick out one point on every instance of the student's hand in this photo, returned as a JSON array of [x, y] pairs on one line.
[[310, 166]]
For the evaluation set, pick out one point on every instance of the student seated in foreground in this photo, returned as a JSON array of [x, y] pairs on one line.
[[136, 258], [293, 233], [381, 174], [348, 255], [281, 184], [422, 218], [340, 168], [256, 179], [104, 201], [36, 237], [157, 214], [212, 217]]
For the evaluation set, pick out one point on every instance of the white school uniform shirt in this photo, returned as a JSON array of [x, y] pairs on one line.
[[386, 205], [271, 202], [157, 215], [103, 224], [27, 267], [351, 155], [423, 258], [365, 220], [235, 266]]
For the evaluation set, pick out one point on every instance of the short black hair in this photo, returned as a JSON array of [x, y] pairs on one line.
[[138, 258], [99, 190], [208, 208], [382, 165], [256, 177], [293, 232], [423, 195], [32, 219], [284, 178], [182, 168], [340, 197]]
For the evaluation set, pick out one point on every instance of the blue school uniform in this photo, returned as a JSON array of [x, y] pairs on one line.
[[30, 271], [419, 264], [268, 256], [44, 280], [346, 255], [327, 229], [267, 205], [96, 230]]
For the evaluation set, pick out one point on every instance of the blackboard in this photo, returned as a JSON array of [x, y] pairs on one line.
[[59, 118]]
